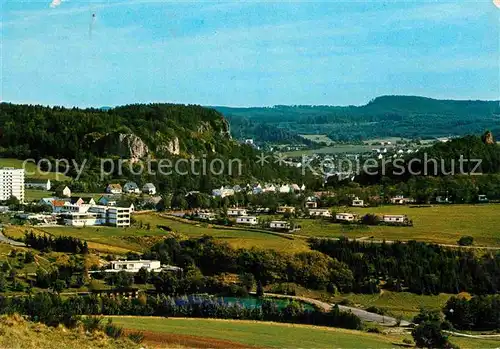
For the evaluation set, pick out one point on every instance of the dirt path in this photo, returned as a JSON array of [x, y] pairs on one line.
[[169, 340]]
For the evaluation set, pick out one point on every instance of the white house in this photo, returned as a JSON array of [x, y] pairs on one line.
[[206, 216], [149, 188], [284, 209], [66, 192], [237, 212], [79, 219], [482, 198], [395, 218], [346, 217], [131, 188], [285, 189], [400, 200], [270, 188], [11, 183], [319, 212], [357, 202], [114, 188], [111, 215], [279, 225], [250, 220], [311, 204]]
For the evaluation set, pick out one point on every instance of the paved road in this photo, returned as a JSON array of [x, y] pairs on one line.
[[362, 314], [6, 240]]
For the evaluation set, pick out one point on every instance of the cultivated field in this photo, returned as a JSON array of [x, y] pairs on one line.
[[443, 224]]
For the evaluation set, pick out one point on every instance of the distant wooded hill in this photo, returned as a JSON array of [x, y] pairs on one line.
[[386, 116]]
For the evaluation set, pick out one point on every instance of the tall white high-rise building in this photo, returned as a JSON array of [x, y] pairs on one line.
[[11, 183]]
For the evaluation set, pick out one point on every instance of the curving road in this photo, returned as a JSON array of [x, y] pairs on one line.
[[362, 314], [6, 240]]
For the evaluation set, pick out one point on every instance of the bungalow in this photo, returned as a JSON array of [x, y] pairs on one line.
[[395, 218], [319, 212], [106, 201], [250, 220], [206, 216], [357, 202], [346, 217], [269, 188], [295, 187], [280, 225], [482, 198], [42, 184], [149, 188], [237, 212], [285, 209], [131, 188], [311, 204], [285, 189], [114, 188], [133, 266], [400, 200], [443, 200]]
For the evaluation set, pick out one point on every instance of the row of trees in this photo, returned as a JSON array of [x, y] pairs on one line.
[[53, 309], [415, 266], [478, 313], [59, 244]]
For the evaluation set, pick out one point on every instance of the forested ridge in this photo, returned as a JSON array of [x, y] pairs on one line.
[[157, 131], [398, 116]]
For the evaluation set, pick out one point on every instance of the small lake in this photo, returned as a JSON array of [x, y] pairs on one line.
[[254, 302]]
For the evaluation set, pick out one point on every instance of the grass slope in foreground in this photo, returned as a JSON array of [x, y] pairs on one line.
[[258, 334], [276, 335], [17, 333]]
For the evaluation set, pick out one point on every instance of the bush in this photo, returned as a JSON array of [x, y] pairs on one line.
[[466, 241], [376, 310], [136, 337], [113, 331], [92, 323]]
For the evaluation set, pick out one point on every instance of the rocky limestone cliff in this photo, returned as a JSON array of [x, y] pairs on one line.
[[128, 146], [172, 147], [488, 138]]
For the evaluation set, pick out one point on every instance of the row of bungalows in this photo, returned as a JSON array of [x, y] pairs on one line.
[[388, 218], [131, 188], [257, 189]]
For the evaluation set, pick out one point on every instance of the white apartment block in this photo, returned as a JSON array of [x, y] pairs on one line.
[[11, 183]]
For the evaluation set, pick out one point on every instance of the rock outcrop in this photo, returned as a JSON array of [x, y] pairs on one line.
[[488, 138], [172, 147], [125, 145]]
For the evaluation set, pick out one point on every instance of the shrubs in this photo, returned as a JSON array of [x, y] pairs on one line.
[[113, 331], [466, 241], [136, 337]]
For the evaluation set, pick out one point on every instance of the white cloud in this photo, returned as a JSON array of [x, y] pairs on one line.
[[55, 3]]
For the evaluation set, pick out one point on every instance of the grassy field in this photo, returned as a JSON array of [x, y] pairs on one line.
[[259, 334], [137, 238], [396, 303], [32, 170], [275, 335], [318, 138], [443, 224]]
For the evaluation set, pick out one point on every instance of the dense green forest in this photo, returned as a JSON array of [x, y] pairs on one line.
[[386, 116], [157, 131], [415, 266]]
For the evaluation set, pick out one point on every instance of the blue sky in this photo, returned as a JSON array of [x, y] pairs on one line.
[[247, 53]]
